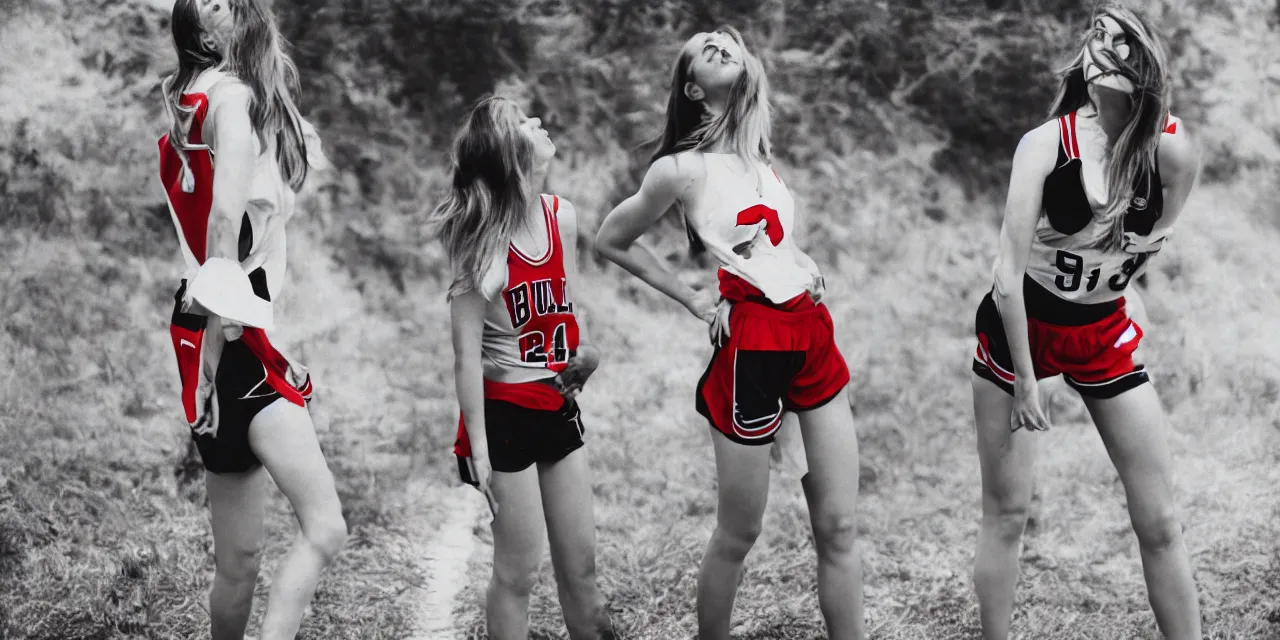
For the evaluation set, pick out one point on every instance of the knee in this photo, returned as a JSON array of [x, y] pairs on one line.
[[735, 541], [1158, 531], [836, 534], [329, 537], [238, 565], [580, 577], [1007, 521], [516, 577]]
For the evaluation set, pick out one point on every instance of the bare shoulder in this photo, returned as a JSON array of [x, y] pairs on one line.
[[1038, 149], [672, 175], [566, 215], [1179, 154]]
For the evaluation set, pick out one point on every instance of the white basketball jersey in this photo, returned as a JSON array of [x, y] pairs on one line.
[[745, 216]]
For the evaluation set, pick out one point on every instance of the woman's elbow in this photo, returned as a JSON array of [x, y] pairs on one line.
[[608, 244]]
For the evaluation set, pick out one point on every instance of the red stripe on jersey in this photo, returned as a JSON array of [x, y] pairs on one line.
[[192, 209], [1075, 143]]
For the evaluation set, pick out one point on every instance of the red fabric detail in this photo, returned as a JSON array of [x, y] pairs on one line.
[[276, 365], [530, 395], [1075, 143], [187, 346], [758, 213], [192, 209], [1085, 353], [735, 289], [756, 327]]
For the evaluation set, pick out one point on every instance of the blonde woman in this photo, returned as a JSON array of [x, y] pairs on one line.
[[521, 354], [1093, 194], [776, 350], [231, 163]]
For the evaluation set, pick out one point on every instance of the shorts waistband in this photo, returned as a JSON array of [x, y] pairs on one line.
[[1044, 306]]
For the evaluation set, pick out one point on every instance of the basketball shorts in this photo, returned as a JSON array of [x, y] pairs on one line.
[[524, 424], [243, 387], [776, 359], [1090, 345]]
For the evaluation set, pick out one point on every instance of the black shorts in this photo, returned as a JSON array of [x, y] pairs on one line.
[[242, 392], [519, 437]]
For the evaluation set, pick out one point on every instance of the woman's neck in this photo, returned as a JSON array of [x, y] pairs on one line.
[[1110, 112]]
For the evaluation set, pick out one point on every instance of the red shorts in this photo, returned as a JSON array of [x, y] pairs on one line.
[[774, 360], [1090, 345]]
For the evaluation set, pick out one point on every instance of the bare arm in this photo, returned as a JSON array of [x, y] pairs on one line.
[[466, 319], [663, 185], [1032, 162], [233, 146], [1180, 172]]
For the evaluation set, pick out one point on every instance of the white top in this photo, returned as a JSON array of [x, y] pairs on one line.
[[745, 216]]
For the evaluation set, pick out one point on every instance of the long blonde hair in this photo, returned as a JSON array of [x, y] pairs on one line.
[[1133, 154], [745, 126], [489, 193], [254, 54]]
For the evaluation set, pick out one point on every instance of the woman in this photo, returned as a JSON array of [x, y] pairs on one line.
[[521, 354], [1093, 194], [246, 403], [775, 352]]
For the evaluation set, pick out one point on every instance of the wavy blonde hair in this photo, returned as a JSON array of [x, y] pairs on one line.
[[254, 54], [1133, 153], [489, 193]]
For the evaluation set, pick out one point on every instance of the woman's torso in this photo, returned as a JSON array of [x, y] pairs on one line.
[[270, 200], [529, 326], [745, 216], [1061, 260]]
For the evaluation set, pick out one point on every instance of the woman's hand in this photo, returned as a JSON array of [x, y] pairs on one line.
[[581, 366], [1026, 407], [484, 475]]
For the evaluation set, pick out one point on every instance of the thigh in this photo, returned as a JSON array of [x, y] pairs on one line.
[[518, 529], [743, 476], [831, 449], [1006, 457], [568, 505], [283, 437], [237, 503], [1133, 428]]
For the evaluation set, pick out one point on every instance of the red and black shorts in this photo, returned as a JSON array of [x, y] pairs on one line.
[[524, 424], [777, 358], [243, 386], [1090, 345]]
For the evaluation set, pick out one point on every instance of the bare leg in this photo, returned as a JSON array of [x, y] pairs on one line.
[[1132, 426], [284, 439], [744, 490], [568, 504], [831, 488], [1006, 459], [518, 540], [236, 507]]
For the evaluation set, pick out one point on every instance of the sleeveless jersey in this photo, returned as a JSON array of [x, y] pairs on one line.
[[529, 327], [1059, 260], [745, 216], [188, 182]]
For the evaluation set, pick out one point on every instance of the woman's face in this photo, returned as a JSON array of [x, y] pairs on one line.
[[1107, 39], [531, 129], [217, 21], [715, 62]]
